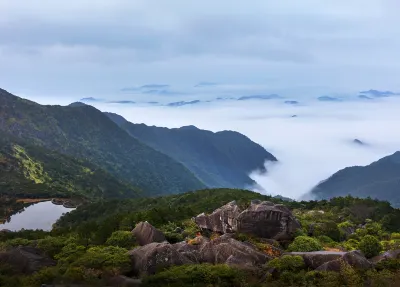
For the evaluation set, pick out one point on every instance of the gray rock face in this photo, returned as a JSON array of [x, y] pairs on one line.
[[26, 260], [315, 259], [146, 233], [263, 219], [222, 220], [354, 258], [149, 258]]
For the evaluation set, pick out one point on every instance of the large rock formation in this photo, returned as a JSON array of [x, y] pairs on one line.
[[146, 233], [154, 256], [263, 219], [147, 259], [26, 260]]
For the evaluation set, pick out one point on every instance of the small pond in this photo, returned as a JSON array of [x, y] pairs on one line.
[[41, 215]]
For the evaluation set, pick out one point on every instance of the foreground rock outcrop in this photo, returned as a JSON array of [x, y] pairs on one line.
[[146, 233], [151, 257], [26, 260], [262, 219]]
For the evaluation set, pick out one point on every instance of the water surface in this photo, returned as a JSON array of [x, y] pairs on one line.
[[40, 215]]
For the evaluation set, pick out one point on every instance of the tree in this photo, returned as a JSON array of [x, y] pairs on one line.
[[305, 244], [123, 239], [370, 246]]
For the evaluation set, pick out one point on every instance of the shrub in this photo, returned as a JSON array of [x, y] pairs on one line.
[[52, 245], [287, 263], [351, 244], [305, 244], [322, 278], [111, 259], [370, 246], [328, 228], [123, 239], [70, 253], [17, 242], [199, 275], [389, 263]]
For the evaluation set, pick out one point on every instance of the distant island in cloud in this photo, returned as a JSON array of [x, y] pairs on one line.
[[205, 84], [379, 94], [329, 99], [260, 97]]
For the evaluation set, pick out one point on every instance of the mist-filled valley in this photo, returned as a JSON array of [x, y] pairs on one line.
[[311, 141]]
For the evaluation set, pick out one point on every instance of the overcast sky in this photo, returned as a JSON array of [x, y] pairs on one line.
[[79, 48]]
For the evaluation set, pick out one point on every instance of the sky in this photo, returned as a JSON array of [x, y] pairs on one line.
[[58, 52], [66, 50]]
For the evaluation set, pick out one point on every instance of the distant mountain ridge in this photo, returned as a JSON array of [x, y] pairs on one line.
[[380, 179], [83, 132], [221, 159]]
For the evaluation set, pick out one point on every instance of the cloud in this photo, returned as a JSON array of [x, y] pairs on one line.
[[85, 50], [309, 147]]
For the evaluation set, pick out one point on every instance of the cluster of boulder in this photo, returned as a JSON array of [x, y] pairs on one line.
[[273, 223], [262, 219]]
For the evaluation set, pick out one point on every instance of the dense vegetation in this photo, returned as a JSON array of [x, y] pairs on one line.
[[31, 171], [85, 133], [222, 159], [380, 180], [90, 243]]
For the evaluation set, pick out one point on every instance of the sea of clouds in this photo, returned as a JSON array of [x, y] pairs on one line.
[[310, 147]]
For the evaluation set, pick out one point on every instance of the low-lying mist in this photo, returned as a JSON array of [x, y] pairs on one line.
[[311, 141]]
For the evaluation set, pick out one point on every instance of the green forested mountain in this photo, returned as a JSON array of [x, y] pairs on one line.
[[380, 179], [221, 159], [28, 170], [85, 133]]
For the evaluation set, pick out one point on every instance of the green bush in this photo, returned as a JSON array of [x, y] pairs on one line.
[[305, 244], [389, 264], [328, 228], [287, 263], [52, 245], [322, 278], [199, 275], [69, 253], [351, 244], [109, 258], [123, 239], [17, 242], [370, 246]]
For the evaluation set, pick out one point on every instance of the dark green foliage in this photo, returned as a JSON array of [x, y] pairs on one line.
[[123, 239], [107, 259], [159, 210], [370, 246], [287, 263], [200, 275], [305, 244], [58, 175], [84, 132], [222, 159], [377, 180]]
